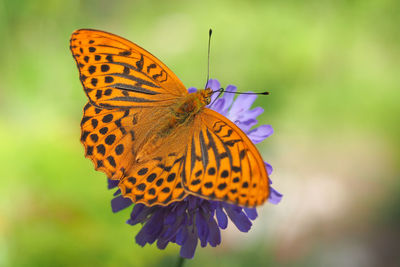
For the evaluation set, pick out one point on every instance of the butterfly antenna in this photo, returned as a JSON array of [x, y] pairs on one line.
[[247, 93], [222, 90], [208, 57]]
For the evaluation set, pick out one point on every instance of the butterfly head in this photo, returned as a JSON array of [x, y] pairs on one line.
[[206, 96]]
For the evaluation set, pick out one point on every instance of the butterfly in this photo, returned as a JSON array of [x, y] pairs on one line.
[[142, 128]]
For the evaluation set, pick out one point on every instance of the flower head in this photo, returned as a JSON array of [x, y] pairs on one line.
[[192, 219]]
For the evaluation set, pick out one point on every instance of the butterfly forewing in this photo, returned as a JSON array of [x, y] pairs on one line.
[[117, 73], [223, 164]]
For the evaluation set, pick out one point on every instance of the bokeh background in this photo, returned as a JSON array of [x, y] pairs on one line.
[[333, 71]]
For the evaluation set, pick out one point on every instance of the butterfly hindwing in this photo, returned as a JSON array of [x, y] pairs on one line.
[[223, 164], [118, 73], [155, 182], [108, 137]]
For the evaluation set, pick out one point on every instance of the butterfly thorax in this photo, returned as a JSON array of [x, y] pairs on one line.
[[185, 110]]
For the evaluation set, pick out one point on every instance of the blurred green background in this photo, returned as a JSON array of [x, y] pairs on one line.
[[333, 71]]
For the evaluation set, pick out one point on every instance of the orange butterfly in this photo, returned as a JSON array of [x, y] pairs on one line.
[[143, 128]]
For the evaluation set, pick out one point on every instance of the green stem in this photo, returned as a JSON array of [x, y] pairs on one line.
[[180, 261]]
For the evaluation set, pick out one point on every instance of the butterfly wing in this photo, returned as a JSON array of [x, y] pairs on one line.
[[156, 182], [222, 163], [118, 73], [113, 139]]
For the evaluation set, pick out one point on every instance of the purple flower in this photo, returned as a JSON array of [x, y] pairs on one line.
[[193, 219]]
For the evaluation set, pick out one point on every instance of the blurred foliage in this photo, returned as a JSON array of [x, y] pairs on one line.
[[332, 68]]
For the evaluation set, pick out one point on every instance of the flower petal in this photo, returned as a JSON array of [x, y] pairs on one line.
[[151, 230], [139, 214], [274, 196], [162, 243], [253, 113], [189, 247], [202, 228], [269, 168], [171, 218], [228, 97], [171, 231], [120, 203], [218, 105], [242, 104], [117, 192], [214, 237], [238, 217], [112, 183], [221, 217], [245, 126], [260, 133], [192, 90], [251, 213], [182, 235], [213, 84]]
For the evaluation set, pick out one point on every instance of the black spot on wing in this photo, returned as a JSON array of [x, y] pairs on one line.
[[111, 160], [171, 177], [108, 79], [103, 130], [84, 135], [219, 129], [119, 149], [230, 131], [155, 76], [109, 58], [99, 94], [101, 149], [125, 53], [242, 154], [92, 69], [105, 68], [164, 168], [196, 182], [232, 142], [89, 150], [139, 63], [143, 171], [85, 119], [151, 66], [107, 118]]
